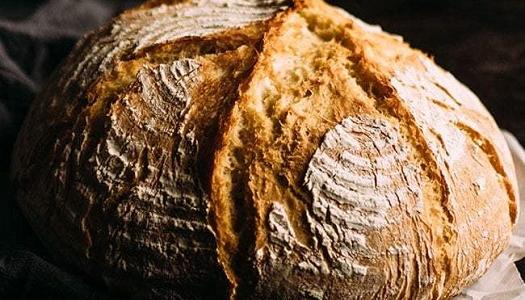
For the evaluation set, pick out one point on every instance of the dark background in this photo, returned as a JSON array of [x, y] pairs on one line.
[[481, 42]]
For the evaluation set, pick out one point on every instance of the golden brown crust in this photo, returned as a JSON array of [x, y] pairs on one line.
[[319, 68], [263, 149], [118, 146]]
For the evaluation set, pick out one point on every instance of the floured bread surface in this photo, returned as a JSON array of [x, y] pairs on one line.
[[355, 175], [113, 160], [263, 149]]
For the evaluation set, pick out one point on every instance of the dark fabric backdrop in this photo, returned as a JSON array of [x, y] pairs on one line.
[[482, 42]]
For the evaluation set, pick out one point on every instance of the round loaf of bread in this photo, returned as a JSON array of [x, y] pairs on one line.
[[263, 149]]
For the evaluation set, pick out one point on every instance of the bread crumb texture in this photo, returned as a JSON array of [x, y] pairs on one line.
[[263, 149]]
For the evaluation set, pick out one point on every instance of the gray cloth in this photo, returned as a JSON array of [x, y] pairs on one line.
[[24, 275], [30, 49]]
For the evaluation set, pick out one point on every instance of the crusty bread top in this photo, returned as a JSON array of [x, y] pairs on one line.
[[112, 161], [280, 149], [367, 171]]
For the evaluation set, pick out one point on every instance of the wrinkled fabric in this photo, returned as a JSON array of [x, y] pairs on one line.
[[30, 50], [24, 275]]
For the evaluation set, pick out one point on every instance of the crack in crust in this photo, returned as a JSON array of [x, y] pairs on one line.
[[270, 122], [122, 174], [263, 149]]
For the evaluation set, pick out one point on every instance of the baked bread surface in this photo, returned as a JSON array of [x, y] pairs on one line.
[[263, 149]]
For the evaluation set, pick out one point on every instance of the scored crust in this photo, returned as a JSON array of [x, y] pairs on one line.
[[297, 209], [112, 161], [263, 149]]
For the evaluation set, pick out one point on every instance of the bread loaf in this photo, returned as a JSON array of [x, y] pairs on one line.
[[263, 149]]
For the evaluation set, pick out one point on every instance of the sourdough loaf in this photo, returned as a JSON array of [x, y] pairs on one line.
[[263, 149]]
